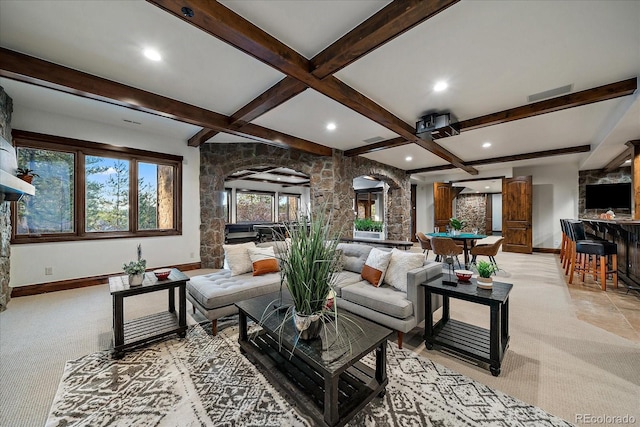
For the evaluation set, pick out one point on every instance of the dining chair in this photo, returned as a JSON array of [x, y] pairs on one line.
[[445, 248], [490, 251], [425, 242]]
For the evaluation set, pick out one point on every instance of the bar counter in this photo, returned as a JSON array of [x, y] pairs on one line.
[[625, 233]]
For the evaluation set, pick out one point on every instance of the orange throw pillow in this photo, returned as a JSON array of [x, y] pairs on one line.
[[371, 275], [264, 266]]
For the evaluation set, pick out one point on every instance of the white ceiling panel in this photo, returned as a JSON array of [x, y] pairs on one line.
[[397, 157], [493, 54], [35, 97], [106, 38], [307, 115], [306, 26]]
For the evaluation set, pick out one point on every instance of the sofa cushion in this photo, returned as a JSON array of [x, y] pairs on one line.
[[384, 299], [401, 262], [220, 289], [237, 258], [375, 266], [344, 278], [263, 260], [354, 256]]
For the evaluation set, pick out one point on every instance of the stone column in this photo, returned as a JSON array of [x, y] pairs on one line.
[[6, 108]]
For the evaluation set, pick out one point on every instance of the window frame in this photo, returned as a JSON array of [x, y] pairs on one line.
[[259, 192], [81, 148], [287, 195]]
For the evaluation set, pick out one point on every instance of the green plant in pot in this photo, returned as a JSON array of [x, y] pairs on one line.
[[307, 269], [136, 269], [456, 224], [485, 270], [26, 174], [367, 224]]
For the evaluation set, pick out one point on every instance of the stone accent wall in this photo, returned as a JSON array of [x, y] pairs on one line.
[[597, 176], [331, 182], [6, 108], [472, 208]]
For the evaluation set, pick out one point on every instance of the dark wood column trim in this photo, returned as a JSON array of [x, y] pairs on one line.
[[618, 160], [635, 177], [391, 21], [514, 158], [223, 23], [27, 69], [589, 96]]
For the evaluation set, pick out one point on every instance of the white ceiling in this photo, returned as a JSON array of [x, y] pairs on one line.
[[492, 53]]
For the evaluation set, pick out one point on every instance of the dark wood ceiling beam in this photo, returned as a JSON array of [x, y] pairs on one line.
[[585, 97], [276, 95], [27, 69], [385, 25], [504, 159], [231, 28], [618, 161], [377, 146]]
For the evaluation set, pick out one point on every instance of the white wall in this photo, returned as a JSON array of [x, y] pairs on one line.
[[496, 212], [71, 260], [424, 208], [555, 196]]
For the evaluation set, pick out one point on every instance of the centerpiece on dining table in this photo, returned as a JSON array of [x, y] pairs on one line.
[[456, 225]]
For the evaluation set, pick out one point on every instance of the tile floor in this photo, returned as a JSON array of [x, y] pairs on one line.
[[614, 310]]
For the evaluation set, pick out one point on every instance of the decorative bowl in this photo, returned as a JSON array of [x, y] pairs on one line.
[[162, 273], [464, 275]]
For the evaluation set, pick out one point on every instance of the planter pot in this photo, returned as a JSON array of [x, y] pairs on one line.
[[455, 232], [377, 235], [485, 282], [26, 178], [136, 279], [308, 326]]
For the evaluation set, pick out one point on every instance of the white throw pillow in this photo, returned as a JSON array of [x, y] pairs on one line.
[[375, 266], [237, 258], [401, 262]]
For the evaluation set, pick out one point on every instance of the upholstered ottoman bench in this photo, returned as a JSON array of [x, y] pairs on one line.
[[215, 294]]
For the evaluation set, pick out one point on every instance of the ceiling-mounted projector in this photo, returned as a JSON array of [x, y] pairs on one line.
[[435, 126]]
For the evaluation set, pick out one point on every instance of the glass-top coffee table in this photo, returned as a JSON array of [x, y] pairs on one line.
[[335, 384]]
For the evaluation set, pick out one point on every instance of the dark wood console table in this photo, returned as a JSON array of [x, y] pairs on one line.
[[325, 378], [145, 329], [487, 346], [386, 243]]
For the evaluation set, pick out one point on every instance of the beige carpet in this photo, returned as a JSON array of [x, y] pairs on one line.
[[555, 361]]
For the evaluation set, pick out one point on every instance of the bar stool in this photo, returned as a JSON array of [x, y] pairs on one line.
[[601, 250]]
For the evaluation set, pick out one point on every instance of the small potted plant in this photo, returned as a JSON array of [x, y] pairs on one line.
[[485, 270], [26, 174], [136, 269], [456, 225]]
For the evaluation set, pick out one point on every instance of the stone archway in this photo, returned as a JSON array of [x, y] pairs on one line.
[[331, 187]]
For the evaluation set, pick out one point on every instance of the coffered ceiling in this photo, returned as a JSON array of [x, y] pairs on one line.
[[492, 54]]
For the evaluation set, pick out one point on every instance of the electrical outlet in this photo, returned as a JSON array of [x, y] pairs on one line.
[[48, 271]]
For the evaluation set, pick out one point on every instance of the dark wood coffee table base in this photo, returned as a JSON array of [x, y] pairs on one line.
[[331, 391]]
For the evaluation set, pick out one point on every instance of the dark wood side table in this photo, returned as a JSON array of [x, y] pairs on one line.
[[144, 329], [472, 341], [330, 384]]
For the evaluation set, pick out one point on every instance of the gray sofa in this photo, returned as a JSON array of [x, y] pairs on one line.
[[215, 294]]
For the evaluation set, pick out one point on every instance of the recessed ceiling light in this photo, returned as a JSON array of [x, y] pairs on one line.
[[486, 186], [331, 126], [486, 145], [152, 54], [440, 86], [408, 158], [628, 161]]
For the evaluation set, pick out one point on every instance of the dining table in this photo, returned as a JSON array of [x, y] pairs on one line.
[[468, 241]]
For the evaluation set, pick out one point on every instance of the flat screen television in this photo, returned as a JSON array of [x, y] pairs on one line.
[[605, 196]]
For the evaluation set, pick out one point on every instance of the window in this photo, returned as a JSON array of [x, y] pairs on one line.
[[288, 207], [88, 190], [367, 203], [254, 206]]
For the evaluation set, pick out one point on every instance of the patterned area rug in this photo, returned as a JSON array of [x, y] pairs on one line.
[[206, 381]]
